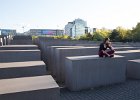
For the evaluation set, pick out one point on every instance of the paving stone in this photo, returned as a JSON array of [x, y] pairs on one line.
[[129, 90]]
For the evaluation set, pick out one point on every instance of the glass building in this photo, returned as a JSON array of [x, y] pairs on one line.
[[50, 32], [75, 28]]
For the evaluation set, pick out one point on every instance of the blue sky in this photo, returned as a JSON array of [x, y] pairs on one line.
[[54, 14]]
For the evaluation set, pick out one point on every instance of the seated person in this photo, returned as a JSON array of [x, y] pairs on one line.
[[103, 49]]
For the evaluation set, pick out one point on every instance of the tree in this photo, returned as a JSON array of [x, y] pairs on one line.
[[114, 35], [121, 34], [101, 34], [129, 36], [86, 36], [97, 36], [136, 32]]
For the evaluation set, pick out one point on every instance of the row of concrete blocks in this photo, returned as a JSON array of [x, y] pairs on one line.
[[79, 42], [26, 79], [45, 44], [59, 54], [55, 42], [21, 40]]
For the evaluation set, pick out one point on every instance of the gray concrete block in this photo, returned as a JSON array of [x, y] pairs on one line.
[[46, 55], [133, 69], [44, 49], [124, 48], [62, 53], [129, 54], [19, 55], [83, 72], [21, 42], [18, 47], [29, 88], [53, 57], [22, 69]]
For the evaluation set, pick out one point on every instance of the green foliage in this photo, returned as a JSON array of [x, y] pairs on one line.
[[87, 36], [119, 34], [62, 37], [126, 35], [136, 33], [114, 35], [34, 37], [99, 35], [123, 33]]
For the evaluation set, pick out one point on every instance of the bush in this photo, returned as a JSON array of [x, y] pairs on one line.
[[87, 36], [62, 37], [34, 37], [97, 37]]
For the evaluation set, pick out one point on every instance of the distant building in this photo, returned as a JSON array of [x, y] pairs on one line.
[[94, 29], [51, 32], [7, 32], [76, 28]]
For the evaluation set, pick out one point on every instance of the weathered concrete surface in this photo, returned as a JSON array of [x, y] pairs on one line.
[[44, 47], [44, 42], [29, 88], [83, 72], [124, 48], [53, 57], [48, 54], [133, 69], [19, 55], [52, 62], [22, 69], [130, 54], [62, 53], [18, 47], [21, 40]]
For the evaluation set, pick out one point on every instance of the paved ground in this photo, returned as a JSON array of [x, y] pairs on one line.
[[130, 90]]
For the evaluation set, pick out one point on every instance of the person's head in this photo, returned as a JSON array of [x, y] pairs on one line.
[[106, 40]]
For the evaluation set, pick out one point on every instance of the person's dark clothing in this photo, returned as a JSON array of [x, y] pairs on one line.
[[104, 53]]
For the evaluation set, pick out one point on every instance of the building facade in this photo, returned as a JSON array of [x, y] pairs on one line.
[[7, 32], [50, 32], [75, 28]]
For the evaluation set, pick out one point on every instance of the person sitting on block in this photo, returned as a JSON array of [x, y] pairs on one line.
[[103, 52]]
